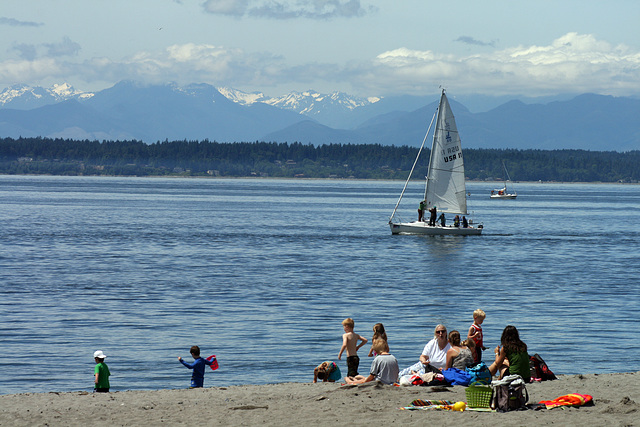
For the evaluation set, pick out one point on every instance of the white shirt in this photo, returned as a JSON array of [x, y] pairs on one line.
[[437, 357]]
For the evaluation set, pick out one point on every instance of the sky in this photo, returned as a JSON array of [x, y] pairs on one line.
[[367, 48]]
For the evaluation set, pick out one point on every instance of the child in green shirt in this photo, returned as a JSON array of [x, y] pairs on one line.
[[101, 383]]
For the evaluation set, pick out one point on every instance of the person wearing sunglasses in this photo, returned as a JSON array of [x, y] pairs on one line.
[[434, 354]]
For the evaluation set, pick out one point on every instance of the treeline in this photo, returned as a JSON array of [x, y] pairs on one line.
[[363, 161]]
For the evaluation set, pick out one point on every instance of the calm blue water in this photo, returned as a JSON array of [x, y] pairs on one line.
[[262, 272]]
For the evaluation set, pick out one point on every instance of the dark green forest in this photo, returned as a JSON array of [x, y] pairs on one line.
[[269, 159]]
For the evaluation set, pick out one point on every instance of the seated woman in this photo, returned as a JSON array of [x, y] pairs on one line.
[[434, 355], [512, 358], [384, 367], [458, 356]]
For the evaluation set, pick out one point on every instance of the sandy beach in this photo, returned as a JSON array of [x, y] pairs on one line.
[[616, 402]]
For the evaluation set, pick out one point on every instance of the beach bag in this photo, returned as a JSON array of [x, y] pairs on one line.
[[411, 380], [437, 381], [480, 374], [509, 394], [455, 376], [539, 369]]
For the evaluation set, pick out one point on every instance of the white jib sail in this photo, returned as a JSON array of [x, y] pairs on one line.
[[445, 179]]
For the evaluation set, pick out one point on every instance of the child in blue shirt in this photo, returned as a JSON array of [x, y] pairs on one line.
[[197, 378]]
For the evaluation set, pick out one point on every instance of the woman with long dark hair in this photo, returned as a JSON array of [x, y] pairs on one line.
[[512, 358]]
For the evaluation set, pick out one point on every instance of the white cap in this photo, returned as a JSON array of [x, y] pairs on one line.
[[99, 354]]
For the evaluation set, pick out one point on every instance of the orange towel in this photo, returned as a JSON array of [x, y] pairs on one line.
[[573, 399]]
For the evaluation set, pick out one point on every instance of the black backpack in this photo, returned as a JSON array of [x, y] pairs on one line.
[[539, 368], [509, 394]]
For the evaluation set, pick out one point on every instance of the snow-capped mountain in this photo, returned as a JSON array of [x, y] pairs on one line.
[[23, 97], [65, 91], [152, 113], [308, 103], [311, 103], [240, 97], [329, 109], [335, 109]]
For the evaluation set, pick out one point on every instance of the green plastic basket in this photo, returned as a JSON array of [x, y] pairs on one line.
[[478, 396]]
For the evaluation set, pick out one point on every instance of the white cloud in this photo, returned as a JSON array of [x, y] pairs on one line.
[[288, 9], [187, 63], [573, 63], [226, 7], [24, 71]]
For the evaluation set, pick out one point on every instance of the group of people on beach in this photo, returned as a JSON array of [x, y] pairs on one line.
[[443, 352], [384, 367]]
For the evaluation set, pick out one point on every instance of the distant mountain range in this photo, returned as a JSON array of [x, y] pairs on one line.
[[130, 110]]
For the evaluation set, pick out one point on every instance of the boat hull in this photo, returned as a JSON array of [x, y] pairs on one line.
[[504, 196], [423, 228]]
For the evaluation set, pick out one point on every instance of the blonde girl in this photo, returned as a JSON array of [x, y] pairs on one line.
[[378, 334]]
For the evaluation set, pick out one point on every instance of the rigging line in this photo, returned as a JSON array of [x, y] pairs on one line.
[[508, 177], [414, 165]]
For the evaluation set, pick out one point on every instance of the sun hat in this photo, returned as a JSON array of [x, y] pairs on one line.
[[99, 354]]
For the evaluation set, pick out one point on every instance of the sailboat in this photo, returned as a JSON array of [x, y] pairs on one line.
[[502, 193], [445, 190]]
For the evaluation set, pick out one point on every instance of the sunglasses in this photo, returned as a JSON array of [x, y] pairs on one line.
[[441, 332]]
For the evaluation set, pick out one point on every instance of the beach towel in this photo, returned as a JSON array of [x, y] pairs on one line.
[[420, 402], [214, 362], [573, 399], [428, 405], [455, 376]]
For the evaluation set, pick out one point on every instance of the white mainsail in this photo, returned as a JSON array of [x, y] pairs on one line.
[[445, 180]]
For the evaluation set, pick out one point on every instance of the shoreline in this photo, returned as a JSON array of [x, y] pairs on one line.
[[474, 181], [616, 398]]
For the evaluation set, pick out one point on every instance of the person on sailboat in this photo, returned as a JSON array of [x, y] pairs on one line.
[[442, 219], [432, 218], [456, 221], [423, 204], [465, 223]]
